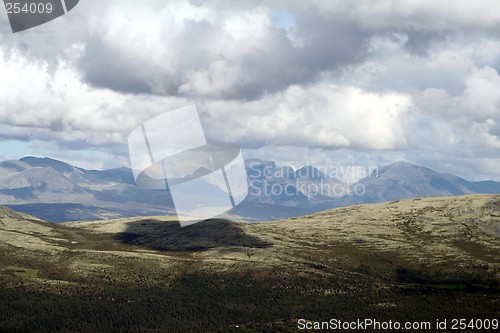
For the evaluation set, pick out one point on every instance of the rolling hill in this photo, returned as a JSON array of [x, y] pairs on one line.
[[405, 260]]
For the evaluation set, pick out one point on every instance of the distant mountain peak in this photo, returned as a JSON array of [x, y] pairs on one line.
[[37, 176], [15, 165], [259, 162], [402, 164], [403, 169], [47, 162], [39, 183], [31, 159], [309, 172]]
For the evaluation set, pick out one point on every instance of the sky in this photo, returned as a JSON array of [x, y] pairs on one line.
[[320, 82]]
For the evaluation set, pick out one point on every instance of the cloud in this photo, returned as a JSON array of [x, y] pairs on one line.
[[63, 108], [377, 80], [214, 51], [58, 106], [425, 15], [322, 115], [471, 116]]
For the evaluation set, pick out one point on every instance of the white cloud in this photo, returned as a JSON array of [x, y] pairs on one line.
[[58, 106], [219, 79], [414, 80], [323, 115], [249, 27]]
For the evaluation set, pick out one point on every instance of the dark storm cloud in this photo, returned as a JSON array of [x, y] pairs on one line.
[[326, 46], [419, 42], [104, 64], [272, 64], [104, 67]]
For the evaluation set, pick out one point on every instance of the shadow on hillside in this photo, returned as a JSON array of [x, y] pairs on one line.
[[169, 236]]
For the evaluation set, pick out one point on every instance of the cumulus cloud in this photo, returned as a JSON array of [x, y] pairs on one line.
[[58, 106], [185, 49], [416, 80], [322, 115]]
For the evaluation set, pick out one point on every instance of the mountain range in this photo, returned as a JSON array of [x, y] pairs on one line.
[[56, 191]]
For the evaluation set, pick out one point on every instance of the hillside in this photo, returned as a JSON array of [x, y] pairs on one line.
[[385, 260]]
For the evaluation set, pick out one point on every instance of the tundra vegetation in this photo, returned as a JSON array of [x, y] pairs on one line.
[[408, 260]]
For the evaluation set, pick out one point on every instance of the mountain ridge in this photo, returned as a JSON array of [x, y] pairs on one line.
[[38, 185]]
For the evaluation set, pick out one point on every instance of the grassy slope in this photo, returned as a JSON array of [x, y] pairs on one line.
[[417, 259]]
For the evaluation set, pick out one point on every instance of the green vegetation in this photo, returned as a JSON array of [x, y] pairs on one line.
[[401, 261], [22, 271], [198, 302]]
